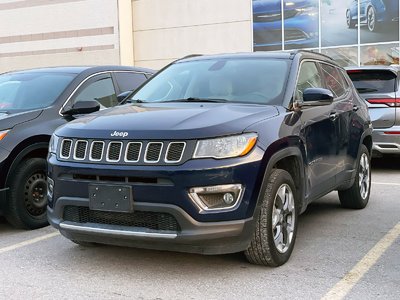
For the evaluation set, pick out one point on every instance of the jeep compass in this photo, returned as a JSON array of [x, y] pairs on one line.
[[214, 154]]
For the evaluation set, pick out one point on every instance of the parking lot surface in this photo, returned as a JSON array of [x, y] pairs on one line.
[[339, 253]]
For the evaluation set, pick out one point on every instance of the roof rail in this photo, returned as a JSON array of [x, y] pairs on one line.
[[309, 51]]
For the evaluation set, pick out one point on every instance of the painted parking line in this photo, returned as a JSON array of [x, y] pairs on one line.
[[386, 183], [28, 242], [343, 287]]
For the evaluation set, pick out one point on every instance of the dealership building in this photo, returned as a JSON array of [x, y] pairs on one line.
[[152, 33]]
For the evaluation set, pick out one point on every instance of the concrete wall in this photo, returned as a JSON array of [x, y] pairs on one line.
[[58, 32], [166, 30]]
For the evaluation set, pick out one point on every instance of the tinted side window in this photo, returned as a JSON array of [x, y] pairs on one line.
[[333, 80], [309, 77], [101, 89], [129, 81], [373, 81]]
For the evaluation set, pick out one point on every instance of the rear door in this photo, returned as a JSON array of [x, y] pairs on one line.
[[378, 88]]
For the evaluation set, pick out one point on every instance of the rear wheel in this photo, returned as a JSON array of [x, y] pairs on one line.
[[27, 198], [276, 227], [357, 196]]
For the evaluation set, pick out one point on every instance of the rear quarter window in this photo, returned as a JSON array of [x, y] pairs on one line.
[[375, 81]]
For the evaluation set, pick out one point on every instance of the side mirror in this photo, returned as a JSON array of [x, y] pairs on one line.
[[121, 97], [82, 107], [317, 97]]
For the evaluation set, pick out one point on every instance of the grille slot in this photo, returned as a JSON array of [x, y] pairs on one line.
[[96, 151], [140, 219], [80, 150], [133, 152], [175, 152], [153, 152], [66, 146], [114, 151]]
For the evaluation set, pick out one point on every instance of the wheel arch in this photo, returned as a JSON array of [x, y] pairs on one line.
[[36, 146], [289, 157]]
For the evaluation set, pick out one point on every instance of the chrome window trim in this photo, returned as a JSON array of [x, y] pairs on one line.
[[108, 151], [91, 148], [76, 144], [61, 148], [126, 152], [166, 152], [159, 156]]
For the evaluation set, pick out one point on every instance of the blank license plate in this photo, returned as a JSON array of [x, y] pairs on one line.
[[117, 198]]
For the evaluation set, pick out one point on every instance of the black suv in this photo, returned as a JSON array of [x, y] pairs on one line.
[[33, 103], [214, 154]]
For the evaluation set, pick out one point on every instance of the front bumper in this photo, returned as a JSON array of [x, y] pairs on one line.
[[385, 143], [206, 232]]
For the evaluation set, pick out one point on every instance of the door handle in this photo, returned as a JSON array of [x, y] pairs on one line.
[[333, 116], [355, 108]]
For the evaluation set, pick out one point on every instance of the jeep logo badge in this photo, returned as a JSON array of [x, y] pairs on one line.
[[120, 133]]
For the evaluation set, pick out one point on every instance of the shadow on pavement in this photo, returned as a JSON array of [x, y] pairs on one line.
[[386, 163]]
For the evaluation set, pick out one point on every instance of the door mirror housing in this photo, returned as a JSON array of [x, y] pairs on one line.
[[317, 97], [82, 107], [121, 97]]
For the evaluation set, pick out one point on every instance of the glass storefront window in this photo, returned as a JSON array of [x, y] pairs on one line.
[[379, 54]]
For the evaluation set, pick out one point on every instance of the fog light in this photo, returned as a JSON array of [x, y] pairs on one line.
[[217, 198], [228, 198]]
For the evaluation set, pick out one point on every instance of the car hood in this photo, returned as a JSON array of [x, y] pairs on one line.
[[10, 119], [169, 121]]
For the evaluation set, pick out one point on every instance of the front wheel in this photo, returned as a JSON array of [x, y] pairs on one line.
[[349, 21], [357, 196], [276, 227], [27, 198], [371, 20]]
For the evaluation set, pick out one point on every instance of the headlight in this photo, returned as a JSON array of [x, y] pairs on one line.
[[226, 147], [3, 134], [53, 144]]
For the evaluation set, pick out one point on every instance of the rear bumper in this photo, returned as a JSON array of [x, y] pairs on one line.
[[385, 143], [194, 236]]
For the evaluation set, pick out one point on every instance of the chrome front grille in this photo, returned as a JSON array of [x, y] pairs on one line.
[[125, 152]]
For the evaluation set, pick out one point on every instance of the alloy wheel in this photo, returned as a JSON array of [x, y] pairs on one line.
[[283, 218], [364, 176], [371, 20]]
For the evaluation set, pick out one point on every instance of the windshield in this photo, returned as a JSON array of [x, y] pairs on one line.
[[242, 80], [26, 91]]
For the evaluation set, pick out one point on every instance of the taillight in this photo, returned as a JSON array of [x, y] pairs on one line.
[[392, 132], [392, 102]]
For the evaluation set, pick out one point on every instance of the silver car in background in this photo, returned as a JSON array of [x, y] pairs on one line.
[[379, 86]]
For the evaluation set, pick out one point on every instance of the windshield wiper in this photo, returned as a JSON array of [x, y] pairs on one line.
[[366, 90], [195, 99]]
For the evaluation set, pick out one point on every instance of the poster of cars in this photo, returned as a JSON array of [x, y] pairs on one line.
[[353, 32], [298, 30], [339, 22], [379, 21]]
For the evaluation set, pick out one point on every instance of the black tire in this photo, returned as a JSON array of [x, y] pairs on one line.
[[263, 249], [349, 21], [357, 196], [27, 198]]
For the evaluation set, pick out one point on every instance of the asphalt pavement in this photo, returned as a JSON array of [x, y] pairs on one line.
[[339, 253]]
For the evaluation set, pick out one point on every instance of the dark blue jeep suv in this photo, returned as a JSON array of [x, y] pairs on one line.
[[215, 154]]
